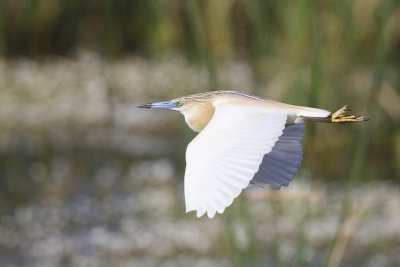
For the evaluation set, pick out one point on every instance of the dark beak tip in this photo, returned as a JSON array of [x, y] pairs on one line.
[[144, 106]]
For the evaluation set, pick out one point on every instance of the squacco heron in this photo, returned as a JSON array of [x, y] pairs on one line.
[[242, 140]]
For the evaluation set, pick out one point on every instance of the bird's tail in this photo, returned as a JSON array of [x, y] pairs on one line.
[[312, 112]]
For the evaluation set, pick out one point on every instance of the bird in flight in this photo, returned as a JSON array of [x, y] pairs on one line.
[[242, 140]]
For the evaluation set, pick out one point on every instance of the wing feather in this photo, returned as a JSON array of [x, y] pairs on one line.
[[279, 167], [225, 156]]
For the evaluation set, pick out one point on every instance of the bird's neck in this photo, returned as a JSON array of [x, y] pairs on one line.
[[199, 116]]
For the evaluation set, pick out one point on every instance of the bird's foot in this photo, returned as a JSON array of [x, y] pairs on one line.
[[341, 116]]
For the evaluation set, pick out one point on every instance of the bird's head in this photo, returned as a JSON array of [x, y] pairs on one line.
[[182, 104], [197, 109]]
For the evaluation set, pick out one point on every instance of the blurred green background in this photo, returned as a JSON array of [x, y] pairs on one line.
[[86, 179]]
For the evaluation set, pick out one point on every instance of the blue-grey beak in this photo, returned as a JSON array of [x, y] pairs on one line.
[[159, 105]]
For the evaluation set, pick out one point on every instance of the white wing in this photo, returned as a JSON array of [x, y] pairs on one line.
[[279, 167], [224, 157]]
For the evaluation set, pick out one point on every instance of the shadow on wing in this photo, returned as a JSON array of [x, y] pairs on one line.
[[279, 167]]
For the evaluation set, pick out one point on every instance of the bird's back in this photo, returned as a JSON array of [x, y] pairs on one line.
[[238, 98], [200, 108]]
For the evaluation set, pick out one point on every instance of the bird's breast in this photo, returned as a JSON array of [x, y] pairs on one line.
[[198, 118]]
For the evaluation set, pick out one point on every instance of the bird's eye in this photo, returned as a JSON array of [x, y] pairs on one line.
[[179, 104]]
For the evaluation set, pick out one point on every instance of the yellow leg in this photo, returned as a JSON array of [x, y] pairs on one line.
[[340, 116]]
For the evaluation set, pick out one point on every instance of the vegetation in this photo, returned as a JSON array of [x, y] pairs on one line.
[[71, 72]]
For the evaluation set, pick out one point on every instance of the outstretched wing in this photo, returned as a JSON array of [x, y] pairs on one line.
[[225, 156], [279, 167]]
